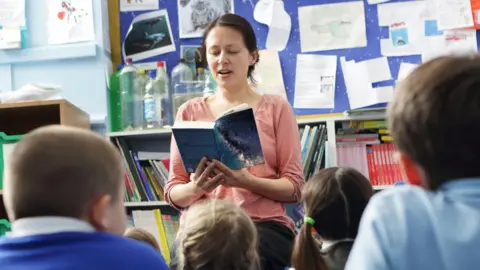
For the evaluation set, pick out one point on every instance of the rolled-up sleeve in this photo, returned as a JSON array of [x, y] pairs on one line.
[[288, 146], [178, 174]]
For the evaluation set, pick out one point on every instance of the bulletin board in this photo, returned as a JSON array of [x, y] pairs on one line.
[[288, 56]]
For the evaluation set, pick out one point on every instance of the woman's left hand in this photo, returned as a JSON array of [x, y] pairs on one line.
[[233, 178]]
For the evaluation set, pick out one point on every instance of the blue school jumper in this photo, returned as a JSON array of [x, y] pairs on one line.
[[76, 250]]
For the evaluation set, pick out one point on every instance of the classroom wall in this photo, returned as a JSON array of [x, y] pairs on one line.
[[78, 67]]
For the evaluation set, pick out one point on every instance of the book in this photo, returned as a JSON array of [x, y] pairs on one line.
[[232, 139]]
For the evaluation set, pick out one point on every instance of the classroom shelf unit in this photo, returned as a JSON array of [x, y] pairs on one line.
[[158, 140]]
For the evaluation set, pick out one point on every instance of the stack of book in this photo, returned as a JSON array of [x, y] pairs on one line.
[[146, 173], [312, 142]]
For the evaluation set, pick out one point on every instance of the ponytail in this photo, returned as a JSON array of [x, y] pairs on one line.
[[306, 253]]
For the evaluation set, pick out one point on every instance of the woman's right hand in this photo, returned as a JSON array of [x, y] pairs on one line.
[[202, 180]]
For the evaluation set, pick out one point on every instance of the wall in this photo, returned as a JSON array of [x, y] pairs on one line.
[[78, 67]]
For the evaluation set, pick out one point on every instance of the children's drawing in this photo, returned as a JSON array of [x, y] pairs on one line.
[[70, 21], [399, 34]]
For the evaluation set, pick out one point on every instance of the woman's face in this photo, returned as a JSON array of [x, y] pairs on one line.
[[228, 57]]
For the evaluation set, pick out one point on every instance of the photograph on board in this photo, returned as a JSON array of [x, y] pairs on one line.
[[195, 15], [149, 35]]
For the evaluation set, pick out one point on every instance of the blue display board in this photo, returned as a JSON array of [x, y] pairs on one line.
[[288, 56]]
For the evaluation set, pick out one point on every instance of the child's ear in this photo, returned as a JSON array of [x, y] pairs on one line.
[[411, 170], [98, 212]]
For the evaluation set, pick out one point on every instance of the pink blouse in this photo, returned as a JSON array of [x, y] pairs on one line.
[[280, 141]]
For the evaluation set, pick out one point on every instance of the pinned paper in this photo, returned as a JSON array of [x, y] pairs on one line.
[[315, 81], [268, 74], [273, 14], [405, 70], [138, 5], [10, 38], [454, 14], [456, 42], [332, 26], [70, 21], [378, 69]]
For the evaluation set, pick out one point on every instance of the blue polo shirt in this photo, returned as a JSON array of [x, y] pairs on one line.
[[409, 228]]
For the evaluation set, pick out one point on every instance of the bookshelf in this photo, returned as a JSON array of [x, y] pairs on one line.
[[158, 140]]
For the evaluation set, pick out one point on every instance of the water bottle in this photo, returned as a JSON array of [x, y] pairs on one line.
[[164, 108], [114, 101], [210, 85], [182, 79], [127, 78], [139, 89], [150, 101]]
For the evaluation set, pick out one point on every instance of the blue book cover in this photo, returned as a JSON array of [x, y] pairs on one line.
[[232, 139]]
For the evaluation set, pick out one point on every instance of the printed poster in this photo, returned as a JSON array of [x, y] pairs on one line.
[[149, 35], [194, 16]]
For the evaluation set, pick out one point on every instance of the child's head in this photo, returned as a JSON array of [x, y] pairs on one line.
[[66, 172], [335, 199], [434, 120], [142, 235], [217, 235]]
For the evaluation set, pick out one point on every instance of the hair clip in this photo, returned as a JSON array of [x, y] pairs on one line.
[[309, 220]]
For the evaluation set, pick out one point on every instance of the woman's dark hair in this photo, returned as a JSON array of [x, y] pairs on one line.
[[335, 198], [241, 25]]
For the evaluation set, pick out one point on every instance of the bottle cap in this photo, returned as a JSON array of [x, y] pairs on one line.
[[120, 66], [128, 60], [160, 64], [141, 71], [200, 69], [152, 73]]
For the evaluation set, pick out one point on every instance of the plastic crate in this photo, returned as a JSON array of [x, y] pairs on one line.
[[4, 227], [6, 144]]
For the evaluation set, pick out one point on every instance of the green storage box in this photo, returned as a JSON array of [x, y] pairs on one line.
[[4, 227], [6, 146]]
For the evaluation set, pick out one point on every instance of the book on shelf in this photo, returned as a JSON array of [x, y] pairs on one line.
[[145, 179], [232, 139], [163, 227], [313, 140]]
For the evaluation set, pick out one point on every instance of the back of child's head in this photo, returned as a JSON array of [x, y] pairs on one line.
[[217, 235], [66, 172], [334, 200], [142, 235], [434, 120]]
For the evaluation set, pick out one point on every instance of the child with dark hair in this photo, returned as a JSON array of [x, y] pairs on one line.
[[435, 123], [63, 190], [334, 200]]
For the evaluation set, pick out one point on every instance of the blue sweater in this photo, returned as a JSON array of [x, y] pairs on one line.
[[77, 251]]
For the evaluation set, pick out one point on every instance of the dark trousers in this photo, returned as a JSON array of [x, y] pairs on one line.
[[275, 246]]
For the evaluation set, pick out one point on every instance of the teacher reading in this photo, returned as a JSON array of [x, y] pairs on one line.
[[231, 51]]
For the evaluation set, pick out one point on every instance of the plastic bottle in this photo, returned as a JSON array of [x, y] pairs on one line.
[[114, 101], [210, 85], [164, 107], [127, 79], [140, 83], [182, 80], [150, 100], [201, 74]]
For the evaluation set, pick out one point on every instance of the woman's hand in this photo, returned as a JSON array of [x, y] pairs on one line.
[[204, 178], [231, 178]]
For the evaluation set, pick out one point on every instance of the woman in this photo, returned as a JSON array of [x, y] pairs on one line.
[[231, 53], [334, 200]]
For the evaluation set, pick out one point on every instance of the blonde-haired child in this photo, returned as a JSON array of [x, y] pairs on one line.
[[142, 235], [217, 235]]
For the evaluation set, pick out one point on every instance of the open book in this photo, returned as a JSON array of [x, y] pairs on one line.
[[232, 139]]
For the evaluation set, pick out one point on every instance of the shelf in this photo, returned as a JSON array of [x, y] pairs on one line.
[[339, 117], [141, 133], [381, 187], [145, 204]]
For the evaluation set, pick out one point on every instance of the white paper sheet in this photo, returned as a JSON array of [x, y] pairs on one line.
[[378, 69], [268, 74], [315, 81], [405, 70], [455, 42], [454, 14], [263, 11], [279, 27], [138, 5], [332, 26], [374, 2], [12, 12], [149, 35], [106, 28], [359, 87], [195, 15], [70, 21], [406, 22]]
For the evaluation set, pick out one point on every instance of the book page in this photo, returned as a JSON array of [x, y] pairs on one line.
[[239, 108], [193, 125]]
